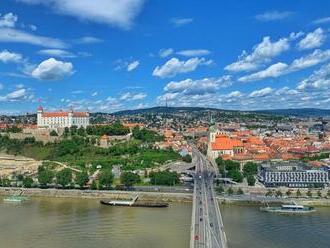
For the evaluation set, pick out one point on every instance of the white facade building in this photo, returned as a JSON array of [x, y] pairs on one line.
[[61, 119]]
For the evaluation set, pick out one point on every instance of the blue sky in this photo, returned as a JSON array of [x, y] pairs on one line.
[[109, 55]]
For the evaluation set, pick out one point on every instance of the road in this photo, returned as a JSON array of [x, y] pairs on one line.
[[207, 228]]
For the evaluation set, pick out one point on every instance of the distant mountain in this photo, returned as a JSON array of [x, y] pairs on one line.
[[303, 112], [170, 110]]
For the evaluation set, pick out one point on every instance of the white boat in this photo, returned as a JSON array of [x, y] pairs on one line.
[[289, 209]]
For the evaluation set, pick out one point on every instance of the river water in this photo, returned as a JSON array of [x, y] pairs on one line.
[[56, 223], [82, 223]]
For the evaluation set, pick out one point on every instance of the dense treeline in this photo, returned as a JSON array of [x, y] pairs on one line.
[[146, 135], [164, 178], [231, 169]]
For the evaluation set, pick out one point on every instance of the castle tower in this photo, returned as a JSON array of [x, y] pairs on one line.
[[40, 111]]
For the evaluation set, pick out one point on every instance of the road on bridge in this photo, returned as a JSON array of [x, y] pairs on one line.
[[207, 228]]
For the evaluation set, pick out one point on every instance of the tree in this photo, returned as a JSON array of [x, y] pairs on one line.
[[64, 177], [105, 179], [278, 193], [81, 131], [288, 193], [220, 189], [27, 182], [269, 193], [240, 191], [309, 193], [81, 179], [298, 193], [53, 133], [251, 180], [187, 158], [129, 179], [164, 178], [250, 168], [45, 176], [236, 175], [94, 185], [230, 191], [328, 193]]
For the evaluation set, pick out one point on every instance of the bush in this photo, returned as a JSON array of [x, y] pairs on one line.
[[105, 179], [129, 179], [81, 178], [53, 133], [27, 182], [187, 158], [251, 180], [64, 177], [240, 191], [230, 191], [45, 176]]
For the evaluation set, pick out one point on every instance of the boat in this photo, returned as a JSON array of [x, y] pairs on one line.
[[133, 203], [15, 199], [140, 204], [293, 208]]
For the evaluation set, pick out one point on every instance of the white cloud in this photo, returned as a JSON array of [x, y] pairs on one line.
[[273, 15], [17, 95], [279, 69], [129, 96], [163, 53], [8, 20], [132, 66], [179, 22], [274, 70], [198, 87], [261, 53], [57, 53], [95, 93], [88, 40], [175, 66], [119, 13], [322, 20], [318, 80], [235, 94], [262, 92], [313, 40], [194, 53], [9, 57], [17, 36], [52, 69]]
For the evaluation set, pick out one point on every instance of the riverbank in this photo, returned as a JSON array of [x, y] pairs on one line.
[[98, 194]]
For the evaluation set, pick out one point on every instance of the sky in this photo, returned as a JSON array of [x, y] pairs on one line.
[[111, 55]]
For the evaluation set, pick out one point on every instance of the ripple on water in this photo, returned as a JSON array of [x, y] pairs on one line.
[[85, 223], [246, 226]]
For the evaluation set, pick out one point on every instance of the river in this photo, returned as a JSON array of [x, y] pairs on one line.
[[63, 222], [84, 223], [246, 226]]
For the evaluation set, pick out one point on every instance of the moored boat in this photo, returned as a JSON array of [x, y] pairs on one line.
[[289, 209], [15, 199], [135, 204]]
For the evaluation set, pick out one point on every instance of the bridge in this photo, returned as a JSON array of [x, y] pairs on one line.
[[207, 228]]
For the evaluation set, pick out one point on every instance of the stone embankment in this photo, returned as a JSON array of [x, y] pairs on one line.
[[99, 194]]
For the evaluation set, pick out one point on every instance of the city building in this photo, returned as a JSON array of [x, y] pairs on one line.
[[292, 174], [61, 119]]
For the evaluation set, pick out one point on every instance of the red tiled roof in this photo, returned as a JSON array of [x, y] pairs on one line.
[[223, 142]]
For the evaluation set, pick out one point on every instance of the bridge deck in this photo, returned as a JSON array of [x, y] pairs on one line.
[[207, 227]]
